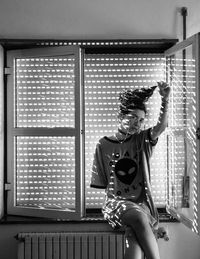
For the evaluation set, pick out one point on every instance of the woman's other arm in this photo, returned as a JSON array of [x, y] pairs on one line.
[[162, 122]]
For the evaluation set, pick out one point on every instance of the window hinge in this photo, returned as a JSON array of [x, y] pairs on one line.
[[7, 71], [186, 192], [7, 186]]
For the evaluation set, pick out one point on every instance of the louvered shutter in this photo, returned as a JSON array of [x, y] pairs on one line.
[[45, 105]]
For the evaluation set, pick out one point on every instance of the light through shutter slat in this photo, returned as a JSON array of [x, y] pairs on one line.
[[45, 172], [45, 92]]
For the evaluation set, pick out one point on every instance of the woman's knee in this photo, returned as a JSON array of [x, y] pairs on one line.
[[129, 233], [137, 220]]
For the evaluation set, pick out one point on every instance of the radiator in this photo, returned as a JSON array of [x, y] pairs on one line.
[[73, 245]]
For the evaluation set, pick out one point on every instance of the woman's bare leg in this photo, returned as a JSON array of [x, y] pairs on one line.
[[138, 221], [132, 248]]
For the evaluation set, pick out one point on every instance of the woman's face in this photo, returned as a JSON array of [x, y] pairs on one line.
[[132, 122]]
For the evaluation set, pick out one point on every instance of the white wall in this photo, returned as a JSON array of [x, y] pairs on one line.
[[182, 244], [99, 19], [96, 19]]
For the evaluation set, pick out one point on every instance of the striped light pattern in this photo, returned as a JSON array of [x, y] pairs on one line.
[[45, 165], [45, 169], [45, 92]]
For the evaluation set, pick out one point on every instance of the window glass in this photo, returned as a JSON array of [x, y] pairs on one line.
[[44, 93], [45, 172]]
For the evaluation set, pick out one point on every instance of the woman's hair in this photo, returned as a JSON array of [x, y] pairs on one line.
[[134, 99]]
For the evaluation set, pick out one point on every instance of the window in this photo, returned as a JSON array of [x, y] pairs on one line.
[[55, 119], [44, 139]]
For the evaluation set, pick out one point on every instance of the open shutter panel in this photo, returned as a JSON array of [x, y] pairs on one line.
[[44, 140], [183, 144]]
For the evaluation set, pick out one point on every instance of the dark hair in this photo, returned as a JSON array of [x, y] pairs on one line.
[[134, 99]]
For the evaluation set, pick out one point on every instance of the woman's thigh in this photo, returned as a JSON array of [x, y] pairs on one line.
[[135, 218]]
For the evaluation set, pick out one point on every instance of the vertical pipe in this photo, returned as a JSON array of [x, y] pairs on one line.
[[184, 14]]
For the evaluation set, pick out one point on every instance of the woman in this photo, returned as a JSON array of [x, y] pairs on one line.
[[122, 166]]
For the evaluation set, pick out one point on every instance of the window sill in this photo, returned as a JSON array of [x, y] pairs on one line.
[[10, 219], [92, 216]]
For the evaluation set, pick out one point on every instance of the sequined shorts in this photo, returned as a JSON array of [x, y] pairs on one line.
[[115, 208]]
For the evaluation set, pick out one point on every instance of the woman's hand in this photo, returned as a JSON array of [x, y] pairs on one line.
[[164, 90]]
